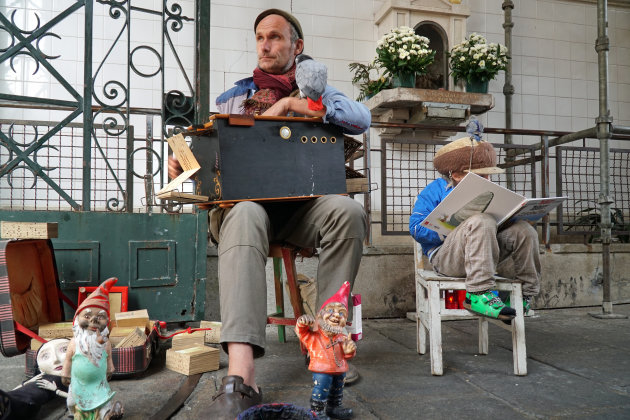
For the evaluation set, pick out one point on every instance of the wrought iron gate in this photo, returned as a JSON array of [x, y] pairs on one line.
[[82, 130]]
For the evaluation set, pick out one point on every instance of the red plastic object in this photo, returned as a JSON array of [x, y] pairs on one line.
[[461, 297], [450, 299]]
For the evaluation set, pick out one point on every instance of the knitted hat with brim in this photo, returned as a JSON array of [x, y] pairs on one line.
[[467, 155], [288, 16]]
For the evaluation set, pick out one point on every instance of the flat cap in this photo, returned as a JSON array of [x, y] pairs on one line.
[[288, 16]]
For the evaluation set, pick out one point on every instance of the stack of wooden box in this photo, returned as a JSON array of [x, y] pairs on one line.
[[130, 328], [189, 355]]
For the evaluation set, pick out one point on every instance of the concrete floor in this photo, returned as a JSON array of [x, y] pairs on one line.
[[578, 367]]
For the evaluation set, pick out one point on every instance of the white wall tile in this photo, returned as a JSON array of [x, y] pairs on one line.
[[530, 85], [546, 85], [563, 107], [547, 122], [546, 67], [564, 123], [579, 108], [547, 105], [563, 68], [579, 89]]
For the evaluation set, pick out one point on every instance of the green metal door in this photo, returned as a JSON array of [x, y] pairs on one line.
[[161, 257]]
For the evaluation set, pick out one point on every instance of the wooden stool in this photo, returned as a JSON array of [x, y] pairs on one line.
[[284, 253], [430, 313]]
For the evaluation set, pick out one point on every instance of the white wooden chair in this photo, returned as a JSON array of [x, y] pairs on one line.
[[430, 313]]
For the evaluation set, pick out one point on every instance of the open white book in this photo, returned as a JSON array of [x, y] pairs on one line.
[[475, 194]]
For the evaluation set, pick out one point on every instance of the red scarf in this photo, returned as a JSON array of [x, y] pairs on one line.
[[271, 88]]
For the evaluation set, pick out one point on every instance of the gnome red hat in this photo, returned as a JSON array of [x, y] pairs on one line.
[[341, 296], [99, 298]]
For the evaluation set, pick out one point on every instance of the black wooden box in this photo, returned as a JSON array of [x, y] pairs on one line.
[[268, 158]]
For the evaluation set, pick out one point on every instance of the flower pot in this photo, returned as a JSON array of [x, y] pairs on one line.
[[407, 80], [477, 86]]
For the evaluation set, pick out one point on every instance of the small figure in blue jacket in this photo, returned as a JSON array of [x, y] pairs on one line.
[[476, 246]]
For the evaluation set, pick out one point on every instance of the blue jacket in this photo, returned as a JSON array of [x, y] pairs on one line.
[[427, 200], [352, 116]]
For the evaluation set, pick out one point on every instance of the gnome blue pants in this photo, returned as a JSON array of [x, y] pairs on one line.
[[328, 387]]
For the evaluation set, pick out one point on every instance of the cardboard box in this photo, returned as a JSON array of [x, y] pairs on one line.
[[193, 360], [139, 318], [186, 340], [28, 230], [213, 336], [55, 330]]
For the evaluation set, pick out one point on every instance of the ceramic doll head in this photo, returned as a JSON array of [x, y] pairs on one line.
[[51, 356]]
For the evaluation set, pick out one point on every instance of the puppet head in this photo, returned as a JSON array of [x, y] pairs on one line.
[[51, 356], [333, 314], [466, 155]]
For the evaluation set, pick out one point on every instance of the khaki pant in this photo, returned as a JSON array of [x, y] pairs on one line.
[[475, 248], [336, 224]]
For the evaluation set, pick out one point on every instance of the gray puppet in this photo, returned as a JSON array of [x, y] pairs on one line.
[[311, 77]]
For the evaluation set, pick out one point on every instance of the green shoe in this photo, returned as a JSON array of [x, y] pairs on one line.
[[487, 304], [527, 305]]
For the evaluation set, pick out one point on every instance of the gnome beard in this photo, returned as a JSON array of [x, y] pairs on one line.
[[327, 327], [87, 342]]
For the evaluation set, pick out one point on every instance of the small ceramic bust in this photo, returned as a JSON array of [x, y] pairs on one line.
[[88, 365], [328, 348]]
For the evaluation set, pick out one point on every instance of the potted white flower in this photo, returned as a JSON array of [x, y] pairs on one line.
[[404, 54], [476, 62]]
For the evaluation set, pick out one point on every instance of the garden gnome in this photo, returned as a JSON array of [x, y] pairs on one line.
[[88, 365], [328, 348], [25, 401]]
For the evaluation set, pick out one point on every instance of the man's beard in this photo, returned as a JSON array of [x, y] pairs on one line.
[[86, 343], [329, 329]]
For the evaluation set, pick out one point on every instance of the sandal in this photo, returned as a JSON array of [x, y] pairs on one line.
[[233, 398]]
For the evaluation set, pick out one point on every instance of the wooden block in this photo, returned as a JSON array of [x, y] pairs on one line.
[[117, 334], [137, 337], [28, 230], [55, 330], [36, 344], [357, 185], [213, 336], [193, 360], [186, 340], [138, 318]]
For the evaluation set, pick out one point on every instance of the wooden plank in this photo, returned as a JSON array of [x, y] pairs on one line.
[[28, 230], [483, 335], [435, 331], [519, 351], [55, 330], [182, 197], [357, 185]]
